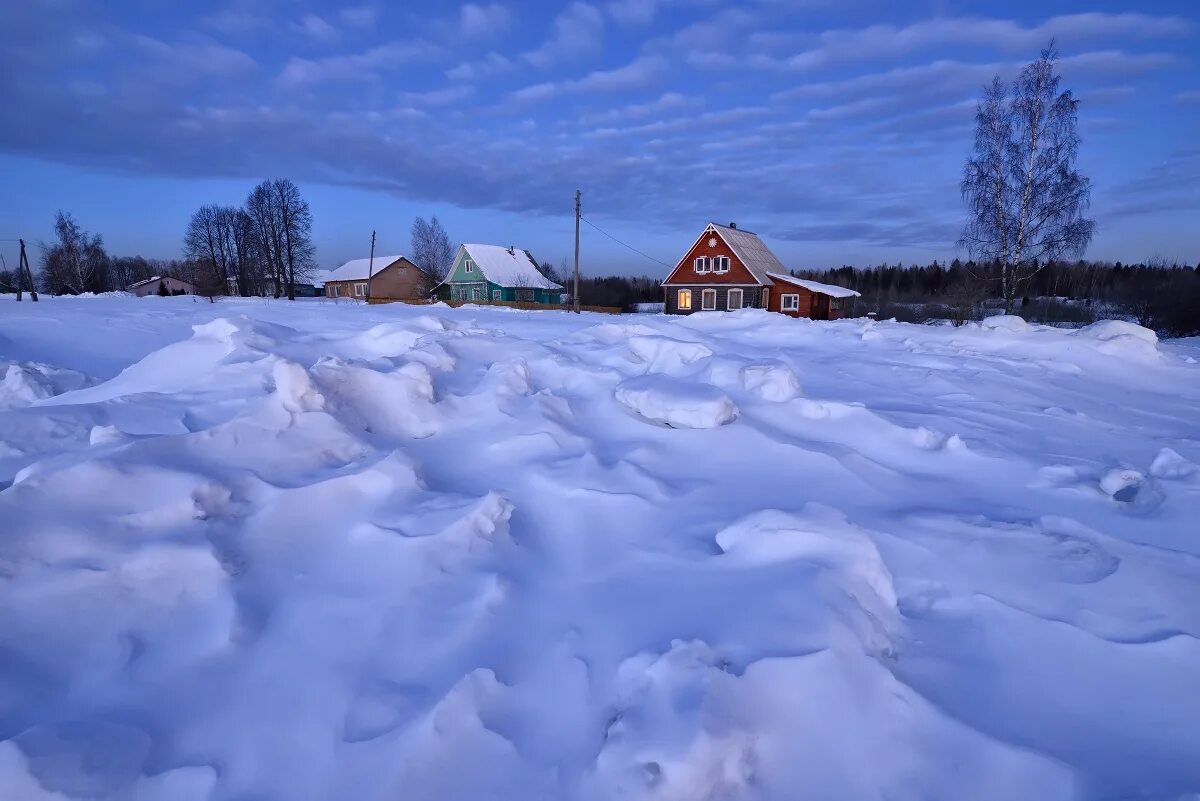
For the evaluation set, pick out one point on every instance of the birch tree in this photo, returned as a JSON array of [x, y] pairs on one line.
[[1024, 197]]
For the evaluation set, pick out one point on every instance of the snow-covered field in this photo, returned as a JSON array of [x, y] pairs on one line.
[[271, 551]]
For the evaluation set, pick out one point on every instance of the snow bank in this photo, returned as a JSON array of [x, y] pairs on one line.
[[679, 404]]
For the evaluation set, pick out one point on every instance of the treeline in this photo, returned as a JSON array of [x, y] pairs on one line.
[[1161, 296], [263, 247], [76, 262]]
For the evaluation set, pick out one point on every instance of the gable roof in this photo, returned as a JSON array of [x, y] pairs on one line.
[[748, 248], [831, 290], [357, 269], [508, 268], [751, 251]]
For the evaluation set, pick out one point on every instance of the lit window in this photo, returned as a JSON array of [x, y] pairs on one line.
[[790, 302], [360, 290], [685, 299], [708, 300], [735, 299]]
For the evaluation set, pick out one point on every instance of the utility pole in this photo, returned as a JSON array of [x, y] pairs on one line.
[[24, 272], [575, 291], [371, 268]]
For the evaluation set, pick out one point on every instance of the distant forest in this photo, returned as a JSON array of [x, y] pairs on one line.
[[1161, 296]]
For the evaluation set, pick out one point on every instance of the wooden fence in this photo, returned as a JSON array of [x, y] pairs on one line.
[[512, 304]]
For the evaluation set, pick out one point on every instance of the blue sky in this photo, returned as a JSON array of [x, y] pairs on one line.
[[835, 129]]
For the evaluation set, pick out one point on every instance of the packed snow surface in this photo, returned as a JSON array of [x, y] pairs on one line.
[[272, 551]]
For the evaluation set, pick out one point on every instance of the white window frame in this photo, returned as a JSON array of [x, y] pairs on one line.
[[790, 302], [527, 295], [698, 264], [360, 289], [331, 290], [468, 266], [477, 293], [722, 264], [683, 300], [835, 304], [729, 299], [497, 294], [766, 297], [705, 295]]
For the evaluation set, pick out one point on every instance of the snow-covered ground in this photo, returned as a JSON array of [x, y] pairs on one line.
[[271, 551]]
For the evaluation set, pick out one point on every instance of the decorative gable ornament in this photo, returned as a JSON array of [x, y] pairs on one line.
[[712, 241]]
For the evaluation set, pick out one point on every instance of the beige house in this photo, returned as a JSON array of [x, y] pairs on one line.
[[390, 278], [151, 286]]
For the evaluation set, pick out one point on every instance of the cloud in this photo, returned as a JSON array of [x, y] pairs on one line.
[[576, 31], [887, 41], [491, 64], [632, 12], [477, 20], [316, 28], [359, 16], [354, 67], [440, 97], [1189, 97], [194, 58], [634, 75]]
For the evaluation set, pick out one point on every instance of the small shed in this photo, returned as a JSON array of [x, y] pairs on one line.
[[800, 297]]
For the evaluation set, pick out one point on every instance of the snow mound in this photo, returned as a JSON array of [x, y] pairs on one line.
[[1122, 485], [1169, 464], [677, 403], [771, 382], [26, 383], [294, 388], [666, 355], [1112, 329], [1004, 322], [823, 537]]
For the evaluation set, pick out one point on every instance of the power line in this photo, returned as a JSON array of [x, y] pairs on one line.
[[622, 244]]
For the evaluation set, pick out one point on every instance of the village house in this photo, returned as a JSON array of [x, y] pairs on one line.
[[493, 273], [384, 279], [156, 285], [728, 268]]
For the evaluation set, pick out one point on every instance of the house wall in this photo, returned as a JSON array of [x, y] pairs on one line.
[[685, 273], [751, 297], [809, 302]]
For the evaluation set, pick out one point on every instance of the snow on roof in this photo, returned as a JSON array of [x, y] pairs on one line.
[[751, 251], [816, 286], [136, 284], [358, 269], [319, 277], [508, 268]]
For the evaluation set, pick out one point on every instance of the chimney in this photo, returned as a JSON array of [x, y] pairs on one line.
[[733, 226]]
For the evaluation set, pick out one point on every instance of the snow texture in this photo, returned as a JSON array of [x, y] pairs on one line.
[[307, 551]]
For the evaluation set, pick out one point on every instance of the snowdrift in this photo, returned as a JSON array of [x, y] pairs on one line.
[[307, 551]]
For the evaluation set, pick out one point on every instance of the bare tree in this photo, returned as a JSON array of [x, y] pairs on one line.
[[1024, 197], [431, 248], [75, 262], [281, 233]]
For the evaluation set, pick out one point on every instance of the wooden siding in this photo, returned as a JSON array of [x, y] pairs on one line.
[[813, 305], [685, 273], [751, 297]]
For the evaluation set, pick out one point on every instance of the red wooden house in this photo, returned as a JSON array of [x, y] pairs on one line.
[[728, 268]]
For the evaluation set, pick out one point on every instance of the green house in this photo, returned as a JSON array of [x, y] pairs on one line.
[[493, 273]]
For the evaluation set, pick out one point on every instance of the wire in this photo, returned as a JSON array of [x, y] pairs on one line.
[[619, 242]]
